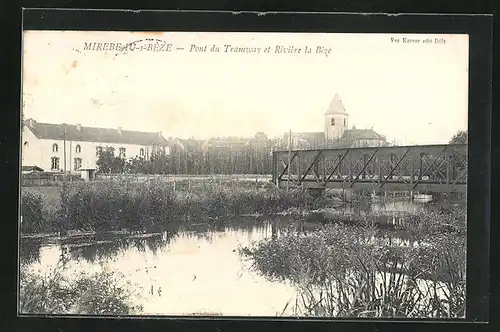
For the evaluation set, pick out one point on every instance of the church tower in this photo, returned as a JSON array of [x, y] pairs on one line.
[[336, 119]]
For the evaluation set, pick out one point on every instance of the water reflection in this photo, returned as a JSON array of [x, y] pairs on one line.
[[95, 248], [189, 272], [29, 250]]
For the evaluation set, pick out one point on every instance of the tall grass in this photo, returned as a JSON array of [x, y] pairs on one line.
[[348, 271], [158, 206]]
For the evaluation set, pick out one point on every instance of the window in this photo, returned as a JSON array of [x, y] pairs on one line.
[[55, 147], [141, 152], [345, 122], [122, 153], [98, 150], [78, 148], [54, 163], [332, 120], [78, 163]]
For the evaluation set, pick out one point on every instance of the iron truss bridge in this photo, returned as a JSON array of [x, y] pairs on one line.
[[422, 168]]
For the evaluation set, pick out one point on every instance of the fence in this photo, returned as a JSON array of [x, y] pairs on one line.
[[186, 182], [47, 179]]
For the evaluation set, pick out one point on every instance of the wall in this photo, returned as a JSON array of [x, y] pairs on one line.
[[35, 152], [367, 143], [39, 152]]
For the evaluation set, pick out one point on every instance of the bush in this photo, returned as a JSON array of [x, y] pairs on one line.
[[109, 205], [99, 293], [32, 212]]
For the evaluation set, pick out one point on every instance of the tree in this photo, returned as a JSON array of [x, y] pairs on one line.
[[460, 137], [138, 165], [159, 161], [108, 163]]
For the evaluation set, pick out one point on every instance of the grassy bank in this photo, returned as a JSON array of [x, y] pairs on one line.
[[351, 271], [150, 206]]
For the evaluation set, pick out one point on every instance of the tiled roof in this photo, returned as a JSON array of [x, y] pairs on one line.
[[336, 106], [311, 135], [227, 144], [358, 134], [92, 134], [31, 168]]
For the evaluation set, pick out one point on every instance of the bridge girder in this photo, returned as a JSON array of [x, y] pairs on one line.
[[431, 168]]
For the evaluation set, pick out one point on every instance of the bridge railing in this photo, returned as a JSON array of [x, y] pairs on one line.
[[440, 168]]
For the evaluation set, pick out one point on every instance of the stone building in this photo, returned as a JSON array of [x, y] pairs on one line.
[[64, 147]]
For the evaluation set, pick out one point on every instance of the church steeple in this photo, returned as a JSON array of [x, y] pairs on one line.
[[336, 106], [336, 119]]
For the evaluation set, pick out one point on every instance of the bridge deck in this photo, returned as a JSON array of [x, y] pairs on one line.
[[427, 168]]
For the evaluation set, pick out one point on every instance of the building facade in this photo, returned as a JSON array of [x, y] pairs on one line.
[[67, 148]]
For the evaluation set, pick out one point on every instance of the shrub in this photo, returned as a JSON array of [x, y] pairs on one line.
[[99, 293], [32, 212]]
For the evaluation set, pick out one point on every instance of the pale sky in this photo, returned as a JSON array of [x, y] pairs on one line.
[[414, 93]]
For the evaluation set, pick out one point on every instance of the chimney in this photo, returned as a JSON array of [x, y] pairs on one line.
[[79, 127], [120, 130]]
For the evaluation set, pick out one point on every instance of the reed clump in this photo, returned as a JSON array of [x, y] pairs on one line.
[[346, 271], [156, 205]]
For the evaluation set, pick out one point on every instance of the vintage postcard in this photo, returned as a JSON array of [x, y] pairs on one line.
[[244, 174]]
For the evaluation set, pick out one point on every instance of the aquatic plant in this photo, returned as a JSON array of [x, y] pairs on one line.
[[347, 271]]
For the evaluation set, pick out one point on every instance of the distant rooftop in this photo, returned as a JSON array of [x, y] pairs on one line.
[[359, 134]]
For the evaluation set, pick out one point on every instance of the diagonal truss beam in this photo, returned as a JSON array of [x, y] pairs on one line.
[[311, 166], [337, 166], [428, 168], [288, 165], [364, 167], [394, 168]]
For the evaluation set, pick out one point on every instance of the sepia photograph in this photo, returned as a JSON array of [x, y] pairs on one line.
[[241, 174]]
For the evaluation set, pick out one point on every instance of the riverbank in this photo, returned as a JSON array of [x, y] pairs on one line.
[[151, 206], [156, 206]]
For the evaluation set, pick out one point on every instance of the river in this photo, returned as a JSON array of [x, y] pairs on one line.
[[195, 270]]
